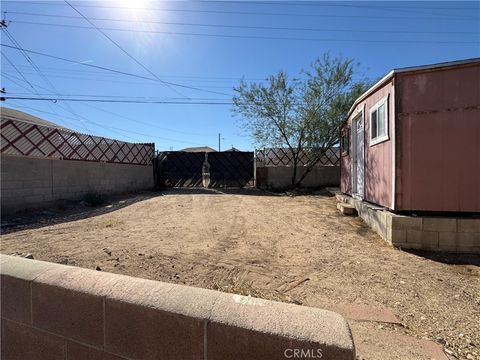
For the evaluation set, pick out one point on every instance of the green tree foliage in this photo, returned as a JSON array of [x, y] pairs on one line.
[[302, 114]]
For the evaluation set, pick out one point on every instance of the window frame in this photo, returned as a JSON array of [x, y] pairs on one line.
[[385, 137]]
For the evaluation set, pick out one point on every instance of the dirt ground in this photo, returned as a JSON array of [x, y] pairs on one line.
[[298, 249]]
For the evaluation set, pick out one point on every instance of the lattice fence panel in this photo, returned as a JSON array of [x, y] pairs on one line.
[[231, 169], [22, 138], [284, 157], [179, 169], [184, 169]]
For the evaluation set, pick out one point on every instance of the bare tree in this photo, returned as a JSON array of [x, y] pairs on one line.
[[302, 114]]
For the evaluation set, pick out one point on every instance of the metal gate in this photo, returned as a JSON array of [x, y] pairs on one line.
[[229, 169]]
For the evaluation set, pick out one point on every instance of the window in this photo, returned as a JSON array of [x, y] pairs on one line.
[[345, 141], [379, 122]]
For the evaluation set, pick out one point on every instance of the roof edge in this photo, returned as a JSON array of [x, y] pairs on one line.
[[438, 65], [372, 89], [390, 75]]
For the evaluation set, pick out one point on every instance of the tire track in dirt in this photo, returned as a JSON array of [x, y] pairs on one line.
[[254, 244]]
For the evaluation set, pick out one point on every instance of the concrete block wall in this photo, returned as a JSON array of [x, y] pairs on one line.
[[448, 234], [28, 182], [280, 177], [58, 312]]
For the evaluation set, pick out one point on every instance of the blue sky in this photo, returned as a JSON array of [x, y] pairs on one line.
[[177, 43]]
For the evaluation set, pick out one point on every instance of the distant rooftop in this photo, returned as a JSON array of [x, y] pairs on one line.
[[11, 114], [199, 149], [232, 149]]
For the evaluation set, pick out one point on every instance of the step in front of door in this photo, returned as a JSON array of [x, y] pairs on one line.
[[346, 209]]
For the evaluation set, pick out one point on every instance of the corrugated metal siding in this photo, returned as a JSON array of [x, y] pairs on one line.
[[438, 140]]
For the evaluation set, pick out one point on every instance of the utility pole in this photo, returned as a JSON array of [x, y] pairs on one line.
[[219, 142], [3, 25]]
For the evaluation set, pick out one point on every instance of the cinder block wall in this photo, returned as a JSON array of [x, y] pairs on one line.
[[280, 177], [35, 182], [449, 234], [58, 312], [441, 233]]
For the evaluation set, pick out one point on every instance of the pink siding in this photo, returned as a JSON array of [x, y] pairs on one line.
[[378, 158], [438, 140]]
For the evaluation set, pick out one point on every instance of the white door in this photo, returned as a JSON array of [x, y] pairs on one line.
[[359, 162]]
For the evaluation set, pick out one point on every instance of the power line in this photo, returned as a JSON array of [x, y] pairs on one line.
[[115, 114], [320, 3], [83, 78], [122, 116], [407, 9], [37, 70], [107, 69], [248, 26], [90, 95], [128, 97], [257, 37], [153, 136], [91, 77], [123, 50], [18, 71], [62, 118], [248, 12], [124, 73], [11, 78], [117, 129], [22, 107], [56, 92], [78, 62], [27, 58], [126, 101], [32, 90], [36, 85], [66, 96], [189, 77], [142, 122]]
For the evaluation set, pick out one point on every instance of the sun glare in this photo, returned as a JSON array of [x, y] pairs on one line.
[[134, 7], [139, 17]]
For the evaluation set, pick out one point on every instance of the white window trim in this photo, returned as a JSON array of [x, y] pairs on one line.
[[385, 137]]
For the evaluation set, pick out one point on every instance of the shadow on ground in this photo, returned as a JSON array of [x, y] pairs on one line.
[[68, 211], [447, 258]]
